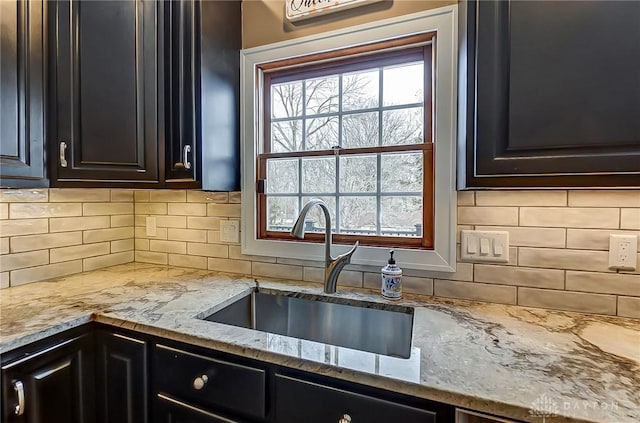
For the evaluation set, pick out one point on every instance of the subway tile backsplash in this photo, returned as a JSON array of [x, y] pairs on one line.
[[558, 256]]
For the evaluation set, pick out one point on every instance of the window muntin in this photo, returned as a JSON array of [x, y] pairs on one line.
[[377, 110]]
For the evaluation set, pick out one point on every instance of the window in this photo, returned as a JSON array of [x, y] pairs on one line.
[[356, 133], [329, 116]]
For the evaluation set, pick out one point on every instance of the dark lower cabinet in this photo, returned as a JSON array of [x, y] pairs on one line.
[[170, 410], [121, 383], [51, 385]]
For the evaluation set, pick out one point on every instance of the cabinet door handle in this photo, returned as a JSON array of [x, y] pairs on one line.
[[19, 388], [185, 156], [63, 154], [199, 382], [345, 419]]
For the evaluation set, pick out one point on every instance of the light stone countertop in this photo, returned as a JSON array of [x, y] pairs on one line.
[[515, 362]]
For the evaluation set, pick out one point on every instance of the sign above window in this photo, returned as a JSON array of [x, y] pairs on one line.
[[297, 10]]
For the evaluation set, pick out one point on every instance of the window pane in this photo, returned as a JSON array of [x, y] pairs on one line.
[[358, 173], [286, 136], [319, 175], [282, 175], [282, 213], [322, 95], [322, 133], [316, 215], [360, 130], [358, 215], [403, 84], [403, 126], [360, 90], [286, 99], [402, 172], [401, 216]]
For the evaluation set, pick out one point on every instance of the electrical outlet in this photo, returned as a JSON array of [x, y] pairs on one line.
[[623, 252], [151, 226], [230, 230]]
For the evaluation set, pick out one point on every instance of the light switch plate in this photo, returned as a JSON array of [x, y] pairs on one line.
[[151, 229], [230, 230], [485, 246]]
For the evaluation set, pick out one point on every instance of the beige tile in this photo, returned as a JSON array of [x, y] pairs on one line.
[[141, 244], [211, 223], [305, 263], [4, 280], [4, 245], [475, 291], [193, 235], [188, 261], [40, 242], [122, 220], [170, 222], [593, 239], [4, 211], [188, 209], [27, 195], [521, 198], [207, 197], [122, 196], [520, 276], [141, 219], [410, 284], [176, 247], [141, 196], [565, 300], [40, 273], [98, 209], [35, 210], [464, 272], [141, 232], [214, 237], [235, 252], [629, 218], [629, 307], [20, 260], [604, 283], [106, 261], [235, 197], [230, 266], [62, 224], [151, 208], [208, 250], [151, 257], [466, 198], [122, 245], [569, 217], [23, 227], [604, 198], [167, 196], [346, 278], [531, 237], [551, 258], [271, 270], [78, 195], [488, 216], [99, 235], [79, 251], [223, 210]]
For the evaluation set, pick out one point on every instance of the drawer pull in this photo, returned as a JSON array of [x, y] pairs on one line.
[[19, 388], [345, 419], [199, 382]]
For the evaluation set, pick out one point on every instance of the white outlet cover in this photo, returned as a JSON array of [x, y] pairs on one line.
[[151, 229], [623, 252], [230, 230]]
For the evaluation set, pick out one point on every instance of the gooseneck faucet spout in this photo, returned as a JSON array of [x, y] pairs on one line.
[[332, 266]]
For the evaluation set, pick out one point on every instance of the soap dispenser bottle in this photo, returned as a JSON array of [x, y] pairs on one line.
[[391, 279]]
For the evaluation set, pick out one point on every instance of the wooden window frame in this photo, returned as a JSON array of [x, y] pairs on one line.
[[402, 50]]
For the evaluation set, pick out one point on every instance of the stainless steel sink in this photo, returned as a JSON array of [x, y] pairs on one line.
[[377, 328]]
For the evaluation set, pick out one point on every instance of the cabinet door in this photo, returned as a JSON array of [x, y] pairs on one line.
[[170, 410], [551, 101], [121, 383], [56, 385], [104, 85], [22, 129]]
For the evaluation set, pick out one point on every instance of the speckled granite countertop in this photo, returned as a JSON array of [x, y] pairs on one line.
[[515, 362]]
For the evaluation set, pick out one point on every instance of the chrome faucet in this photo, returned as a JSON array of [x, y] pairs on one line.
[[332, 266]]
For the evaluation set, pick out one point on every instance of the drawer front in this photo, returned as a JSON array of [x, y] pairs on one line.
[[300, 401], [170, 410], [209, 382]]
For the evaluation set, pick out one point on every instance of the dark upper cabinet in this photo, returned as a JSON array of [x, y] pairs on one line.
[[104, 91], [550, 94], [22, 93]]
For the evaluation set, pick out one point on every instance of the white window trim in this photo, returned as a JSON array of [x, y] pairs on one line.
[[444, 22]]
